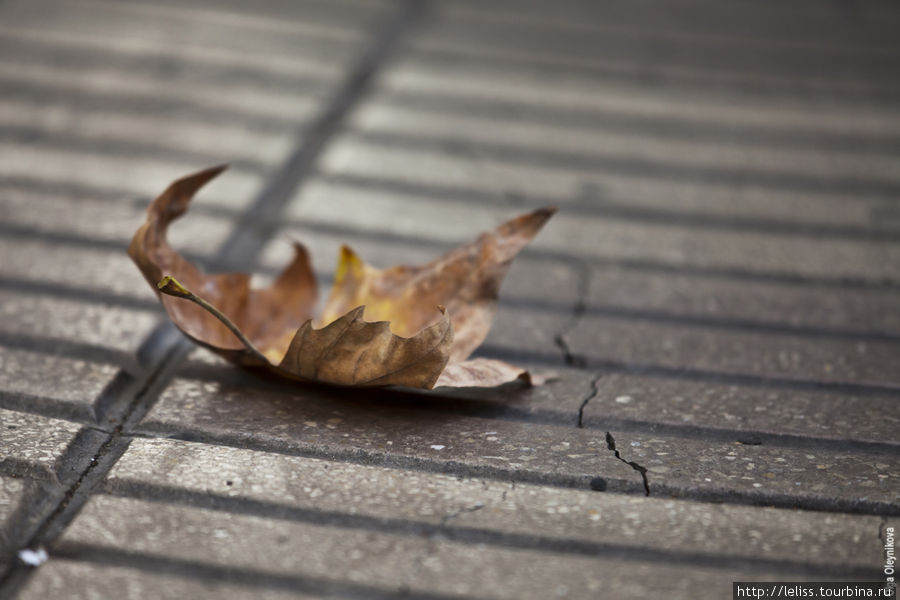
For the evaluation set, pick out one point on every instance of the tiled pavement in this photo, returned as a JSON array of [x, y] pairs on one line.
[[720, 292]]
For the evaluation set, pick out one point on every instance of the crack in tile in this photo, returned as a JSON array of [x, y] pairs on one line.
[[611, 444], [591, 395], [469, 509], [571, 358]]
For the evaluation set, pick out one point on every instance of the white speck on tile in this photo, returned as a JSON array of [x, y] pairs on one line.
[[437, 446], [623, 399], [33, 558]]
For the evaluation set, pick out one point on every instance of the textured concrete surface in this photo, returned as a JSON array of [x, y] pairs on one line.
[[718, 294], [31, 379], [75, 321], [316, 490], [379, 563], [841, 479], [359, 427], [12, 490], [718, 302], [99, 582], [33, 445], [740, 412], [679, 346]]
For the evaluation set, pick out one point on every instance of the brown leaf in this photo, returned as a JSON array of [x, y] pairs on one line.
[[466, 281], [262, 314], [352, 351], [481, 372], [379, 327]]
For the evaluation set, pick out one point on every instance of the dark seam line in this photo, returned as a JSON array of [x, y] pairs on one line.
[[558, 480], [467, 535], [129, 397]]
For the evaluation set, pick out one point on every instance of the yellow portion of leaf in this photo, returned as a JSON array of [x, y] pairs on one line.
[[466, 281]]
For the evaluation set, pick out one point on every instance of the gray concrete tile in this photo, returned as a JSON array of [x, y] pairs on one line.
[[33, 445], [461, 76], [12, 490], [92, 581], [62, 268], [63, 385], [729, 25], [660, 402], [741, 304], [641, 342], [843, 479], [501, 508], [601, 45], [381, 427], [490, 136], [177, 52], [98, 233], [49, 318], [169, 25], [234, 141], [608, 238], [105, 185], [374, 562]]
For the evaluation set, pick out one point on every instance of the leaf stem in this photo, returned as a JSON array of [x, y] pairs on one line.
[[172, 287]]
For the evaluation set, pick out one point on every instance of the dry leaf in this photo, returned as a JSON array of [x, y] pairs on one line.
[[410, 326]]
